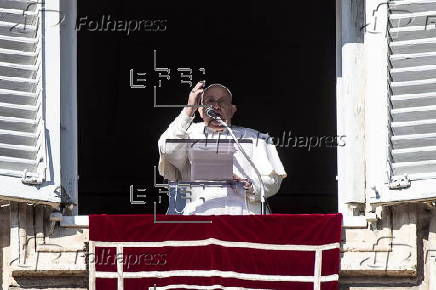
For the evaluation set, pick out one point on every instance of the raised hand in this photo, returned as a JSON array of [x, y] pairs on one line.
[[194, 98]]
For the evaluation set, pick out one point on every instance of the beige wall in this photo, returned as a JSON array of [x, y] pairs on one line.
[[35, 254], [399, 250]]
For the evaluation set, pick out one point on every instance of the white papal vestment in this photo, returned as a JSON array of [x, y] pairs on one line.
[[174, 165]]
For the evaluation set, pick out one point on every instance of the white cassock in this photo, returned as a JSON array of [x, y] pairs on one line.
[[174, 165]]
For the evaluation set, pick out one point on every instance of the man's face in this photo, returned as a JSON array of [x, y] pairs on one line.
[[221, 101]]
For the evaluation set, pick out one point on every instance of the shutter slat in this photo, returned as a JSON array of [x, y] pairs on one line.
[[402, 18], [14, 163], [13, 29], [415, 86], [16, 43], [11, 65], [414, 154], [21, 16], [412, 43], [410, 48], [428, 166], [17, 56], [414, 127], [19, 151], [18, 124], [18, 111], [18, 138], [414, 140], [413, 113], [427, 100], [25, 10], [4, 92], [19, 4], [413, 73], [18, 84], [407, 7], [411, 32], [413, 59], [19, 98], [18, 70]]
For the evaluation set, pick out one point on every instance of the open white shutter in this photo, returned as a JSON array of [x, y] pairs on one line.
[[22, 151], [26, 103], [412, 100]]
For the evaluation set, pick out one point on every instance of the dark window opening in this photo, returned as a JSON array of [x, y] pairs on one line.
[[277, 59]]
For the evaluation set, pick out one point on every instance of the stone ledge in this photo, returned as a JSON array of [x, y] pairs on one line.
[[377, 273], [69, 271], [50, 282]]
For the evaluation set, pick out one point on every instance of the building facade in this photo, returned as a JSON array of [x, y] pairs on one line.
[[386, 106]]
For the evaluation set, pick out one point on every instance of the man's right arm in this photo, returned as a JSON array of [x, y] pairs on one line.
[[175, 153]]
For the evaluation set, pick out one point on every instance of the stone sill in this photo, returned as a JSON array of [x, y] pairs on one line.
[[378, 273], [51, 272]]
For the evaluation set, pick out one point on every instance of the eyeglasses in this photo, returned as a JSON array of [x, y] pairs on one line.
[[220, 102]]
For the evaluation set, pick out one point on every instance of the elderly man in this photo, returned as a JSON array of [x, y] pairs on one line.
[[175, 165]]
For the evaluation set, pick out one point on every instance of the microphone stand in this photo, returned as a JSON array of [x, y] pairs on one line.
[[262, 186]]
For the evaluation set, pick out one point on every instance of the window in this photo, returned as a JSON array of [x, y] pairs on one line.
[[31, 88], [282, 78]]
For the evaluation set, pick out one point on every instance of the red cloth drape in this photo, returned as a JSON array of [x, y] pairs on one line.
[[275, 251]]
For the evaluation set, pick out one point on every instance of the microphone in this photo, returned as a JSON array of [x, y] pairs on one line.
[[212, 114]]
